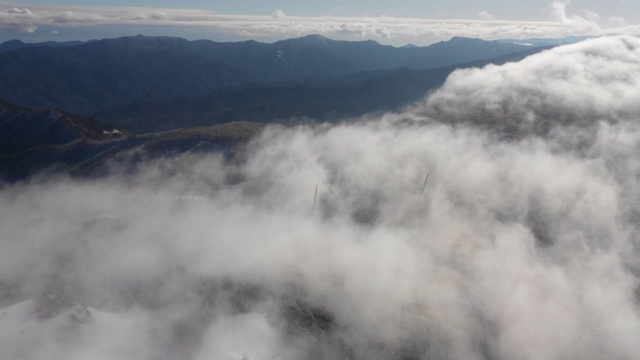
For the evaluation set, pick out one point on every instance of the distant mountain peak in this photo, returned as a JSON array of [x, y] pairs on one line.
[[313, 39], [460, 39], [146, 39], [12, 45], [14, 41]]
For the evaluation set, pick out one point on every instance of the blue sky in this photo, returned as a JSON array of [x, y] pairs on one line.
[[415, 21]]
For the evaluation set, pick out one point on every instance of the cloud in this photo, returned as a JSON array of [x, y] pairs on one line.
[[24, 11], [575, 23], [279, 25], [149, 16], [592, 16], [14, 19], [617, 21], [510, 94], [520, 247], [279, 14], [485, 15]]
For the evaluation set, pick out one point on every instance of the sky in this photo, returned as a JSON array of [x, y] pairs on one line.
[[413, 21]]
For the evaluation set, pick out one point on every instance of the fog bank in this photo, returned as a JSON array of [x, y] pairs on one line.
[[522, 245]]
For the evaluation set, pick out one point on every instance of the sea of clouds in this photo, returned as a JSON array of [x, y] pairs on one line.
[[522, 245]]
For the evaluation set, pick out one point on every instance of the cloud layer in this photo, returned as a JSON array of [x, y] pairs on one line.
[[19, 18], [583, 84], [521, 246]]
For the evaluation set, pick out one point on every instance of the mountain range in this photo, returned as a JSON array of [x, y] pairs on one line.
[[74, 107], [98, 75], [332, 100]]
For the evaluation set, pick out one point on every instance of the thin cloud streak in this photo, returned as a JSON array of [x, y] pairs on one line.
[[20, 18]]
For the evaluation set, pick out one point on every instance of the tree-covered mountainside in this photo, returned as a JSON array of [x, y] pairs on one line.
[[320, 100], [51, 141]]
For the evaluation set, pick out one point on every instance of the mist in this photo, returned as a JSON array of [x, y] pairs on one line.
[[523, 244]]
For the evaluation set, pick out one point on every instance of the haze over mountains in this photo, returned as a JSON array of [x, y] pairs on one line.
[[493, 214]]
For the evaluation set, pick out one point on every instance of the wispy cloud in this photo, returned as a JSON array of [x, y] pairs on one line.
[[485, 15], [617, 21], [16, 17], [579, 24]]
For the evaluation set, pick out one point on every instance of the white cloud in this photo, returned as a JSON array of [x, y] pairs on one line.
[[617, 21], [584, 88], [485, 15], [592, 16], [24, 11], [148, 16], [575, 23], [15, 19], [279, 14]]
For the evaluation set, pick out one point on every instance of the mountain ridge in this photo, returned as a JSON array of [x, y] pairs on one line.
[[102, 74], [50, 141]]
